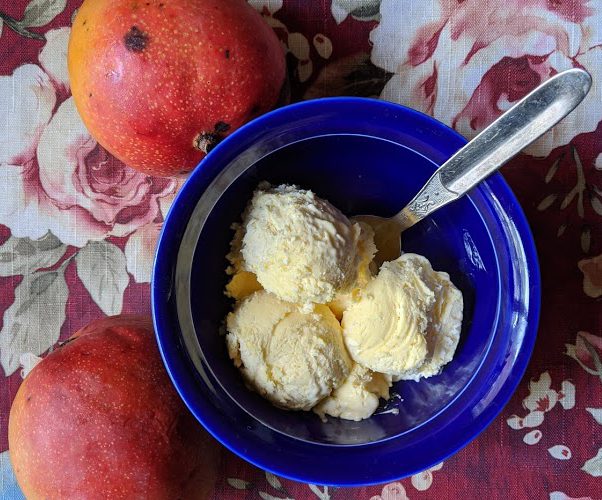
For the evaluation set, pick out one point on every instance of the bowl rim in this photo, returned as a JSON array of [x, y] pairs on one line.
[[210, 167]]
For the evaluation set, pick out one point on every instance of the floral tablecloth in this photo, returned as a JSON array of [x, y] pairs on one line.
[[81, 248]]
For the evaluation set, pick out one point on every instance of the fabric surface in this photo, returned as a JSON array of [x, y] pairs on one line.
[[78, 228]]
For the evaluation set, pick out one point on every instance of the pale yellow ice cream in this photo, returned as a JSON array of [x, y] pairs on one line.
[[292, 358], [444, 321], [358, 397], [242, 283], [300, 247], [298, 266], [387, 327], [367, 250]]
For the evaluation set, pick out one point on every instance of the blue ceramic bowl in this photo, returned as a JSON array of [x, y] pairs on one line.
[[365, 156]]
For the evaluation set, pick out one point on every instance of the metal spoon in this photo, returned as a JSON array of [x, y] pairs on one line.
[[518, 127]]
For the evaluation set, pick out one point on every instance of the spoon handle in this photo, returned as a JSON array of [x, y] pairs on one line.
[[518, 127]]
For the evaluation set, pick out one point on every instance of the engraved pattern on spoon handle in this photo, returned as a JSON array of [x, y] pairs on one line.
[[431, 197]]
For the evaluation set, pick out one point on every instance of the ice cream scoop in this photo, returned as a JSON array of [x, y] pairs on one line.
[[406, 321], [444, 320], [293, 359], [299, 246]]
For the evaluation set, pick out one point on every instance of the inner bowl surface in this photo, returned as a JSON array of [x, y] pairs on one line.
[[359, 174], [365, 157]]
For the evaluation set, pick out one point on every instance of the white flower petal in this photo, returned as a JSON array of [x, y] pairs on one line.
[[538, 389], [596, 413], [11, 207], [165, 202], [594, 465], [423, 480], [566, 34], [409, 87], [27, 98], [53, 57], [559, 495], [394, 491], [568, 391], [342, 8], [28, 361], [299, 46], [140, 252], [591, 28], [515, 422], [271, 5], [560, 452], [532, 437], [304, 70], [27, 202], [401, 21], [64, 143], [503, 103], [338, 12], [456, 81], [533, 419], [323, 45], [238, 484]]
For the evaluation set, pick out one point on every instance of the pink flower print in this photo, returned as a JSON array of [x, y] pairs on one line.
[[587, 351], [541, 399], [465, 63]]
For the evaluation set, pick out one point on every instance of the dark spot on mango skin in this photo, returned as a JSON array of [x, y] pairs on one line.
[[227, 53], [221, 127], [135, 40]]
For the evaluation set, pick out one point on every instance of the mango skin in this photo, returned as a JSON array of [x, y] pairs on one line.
[[99, 418], [158, 83]]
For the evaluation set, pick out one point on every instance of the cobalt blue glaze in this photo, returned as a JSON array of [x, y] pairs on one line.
[[365, 156]]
